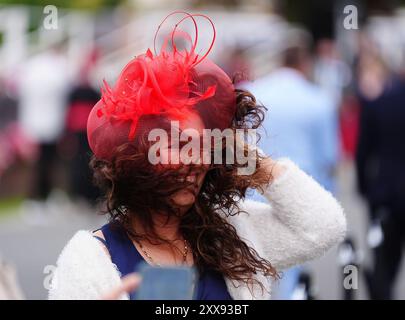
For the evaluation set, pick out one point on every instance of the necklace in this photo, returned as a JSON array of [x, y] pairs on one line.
[[185, 252]]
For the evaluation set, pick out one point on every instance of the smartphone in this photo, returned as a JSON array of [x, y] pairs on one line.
[[166, 283]]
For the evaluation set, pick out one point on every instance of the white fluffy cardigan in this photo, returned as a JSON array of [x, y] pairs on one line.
[[300, 222]]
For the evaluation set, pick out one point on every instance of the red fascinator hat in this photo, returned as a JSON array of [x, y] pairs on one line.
[[171, 84]]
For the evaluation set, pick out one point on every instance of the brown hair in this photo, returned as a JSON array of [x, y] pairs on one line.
[[133, 188]]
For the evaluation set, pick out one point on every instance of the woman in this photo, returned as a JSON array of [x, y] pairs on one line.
[[171, 212]]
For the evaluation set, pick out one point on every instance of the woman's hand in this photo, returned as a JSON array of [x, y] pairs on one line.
[[272, 167], [268, 170], [129, 284]]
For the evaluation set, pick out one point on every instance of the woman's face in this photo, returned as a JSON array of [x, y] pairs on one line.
[[186, 197]]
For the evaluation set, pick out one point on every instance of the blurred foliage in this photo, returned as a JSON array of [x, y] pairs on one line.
[[36, 7], [73, 4], [9, 205], [318, 15], [225, 3]]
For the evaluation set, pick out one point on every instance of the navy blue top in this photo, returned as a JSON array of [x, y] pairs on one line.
[[211, 284]]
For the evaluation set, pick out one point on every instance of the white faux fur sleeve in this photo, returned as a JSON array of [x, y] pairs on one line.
[[84, 271], [301, 221]]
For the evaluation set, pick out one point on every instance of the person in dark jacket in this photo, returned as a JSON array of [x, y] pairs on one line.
[[81, 99], [380, 162]]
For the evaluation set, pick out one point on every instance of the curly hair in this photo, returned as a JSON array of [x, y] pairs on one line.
[[133, 189]]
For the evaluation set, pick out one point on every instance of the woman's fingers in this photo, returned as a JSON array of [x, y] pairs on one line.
[[129, 284]]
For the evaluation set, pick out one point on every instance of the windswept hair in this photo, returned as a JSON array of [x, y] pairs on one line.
[[133, 188]]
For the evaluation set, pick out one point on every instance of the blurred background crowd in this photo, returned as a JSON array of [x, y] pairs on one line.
[[331, 74]]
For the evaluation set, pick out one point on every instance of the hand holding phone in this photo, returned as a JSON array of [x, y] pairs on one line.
[[129, 283]]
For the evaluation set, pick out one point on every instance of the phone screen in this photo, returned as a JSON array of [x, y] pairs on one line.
[[166, 283]]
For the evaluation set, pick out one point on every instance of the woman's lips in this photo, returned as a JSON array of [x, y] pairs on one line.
[[191, 178]]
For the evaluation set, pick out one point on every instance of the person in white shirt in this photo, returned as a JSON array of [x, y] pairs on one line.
[[44, 81]]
